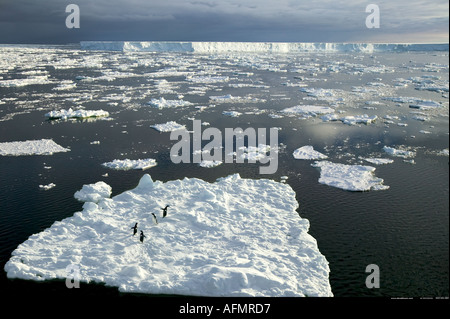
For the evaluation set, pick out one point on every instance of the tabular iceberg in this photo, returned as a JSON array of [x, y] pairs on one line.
[[257, 47], [234, 237]]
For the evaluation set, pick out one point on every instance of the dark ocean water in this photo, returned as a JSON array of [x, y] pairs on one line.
[[404, 230]]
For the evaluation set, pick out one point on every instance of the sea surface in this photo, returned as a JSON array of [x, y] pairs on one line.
[[404, 230]]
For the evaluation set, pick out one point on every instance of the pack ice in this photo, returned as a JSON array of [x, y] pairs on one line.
[[31, 147], [233, 237]]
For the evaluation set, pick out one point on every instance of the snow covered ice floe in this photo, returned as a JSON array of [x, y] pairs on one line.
[[163, 103], [31, 147], [310, 110], [168, 126], [379, 161], [308, 153], [65, 114], [356, 178], [233, 237], [128, 164], [399, 152]]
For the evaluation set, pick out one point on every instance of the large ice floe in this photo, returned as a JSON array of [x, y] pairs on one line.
[[356, 178], [233, 237], [31, 147]]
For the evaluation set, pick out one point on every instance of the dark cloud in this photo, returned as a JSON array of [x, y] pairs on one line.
[[31, 21]]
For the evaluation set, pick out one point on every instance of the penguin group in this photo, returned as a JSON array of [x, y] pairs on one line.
[[155, 221]]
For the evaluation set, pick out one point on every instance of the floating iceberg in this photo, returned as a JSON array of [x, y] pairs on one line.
[[256, 47], [357, 119], [81, 114], [163, 103], [128, 164], [308, 153], [379, 161], [356, 178], [310, 110], [209, 164], [234, 237], [168, 126], [31, 147], [398, 152]]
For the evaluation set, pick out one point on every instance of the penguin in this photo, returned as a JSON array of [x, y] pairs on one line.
[[142, 237], [134, 229], [165, 211], [154, 219]]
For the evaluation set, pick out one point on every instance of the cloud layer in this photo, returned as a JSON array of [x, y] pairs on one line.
[[30, 21]]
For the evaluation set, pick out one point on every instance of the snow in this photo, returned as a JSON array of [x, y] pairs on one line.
[[308, 153], [256, 47], [398, 152], [65, 114], [163, 103], [168, 126], [349, 177], [233, 237], [31, 147], [128, 164]]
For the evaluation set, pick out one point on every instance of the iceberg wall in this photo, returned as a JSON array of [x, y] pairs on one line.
[[257, 47]]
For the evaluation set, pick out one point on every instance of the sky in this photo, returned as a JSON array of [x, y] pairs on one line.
[[44, 21]]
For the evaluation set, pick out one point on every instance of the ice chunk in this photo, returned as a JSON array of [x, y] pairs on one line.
[[47, 187], [168, 126], [308, 153], [93, 192], [379, 161], [312, 110], [65, 114], [232, 113], [349, 177], [128, 164], [398, 152], [233, 237], [209, 164], [31, 147], [356, 119], [163, 103]]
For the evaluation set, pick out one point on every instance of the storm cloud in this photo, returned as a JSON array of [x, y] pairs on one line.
[[31, 21]]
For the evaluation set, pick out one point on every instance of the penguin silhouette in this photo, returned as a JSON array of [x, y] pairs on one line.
[[154, 219], [142, 237], [165, 211], [134, 229]]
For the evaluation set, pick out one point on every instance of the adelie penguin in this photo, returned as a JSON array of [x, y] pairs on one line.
[[154, 219], [165, 211], [134, 229], [141, 238]]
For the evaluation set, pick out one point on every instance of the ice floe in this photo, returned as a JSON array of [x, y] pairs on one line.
[[31, 147], [70, 113], [356, 178], [309, 110], [234, 237], [127, 164], [168, 126], [399, 152], [379, 161], [163, 103], [308, 153]]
